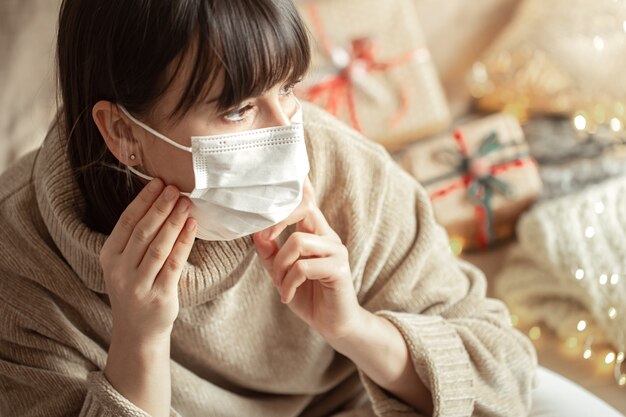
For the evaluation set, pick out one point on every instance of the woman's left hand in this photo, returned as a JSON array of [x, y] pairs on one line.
[[311, 270]]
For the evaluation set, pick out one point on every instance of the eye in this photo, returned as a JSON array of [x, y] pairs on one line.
[[238, 114], [287, 90]]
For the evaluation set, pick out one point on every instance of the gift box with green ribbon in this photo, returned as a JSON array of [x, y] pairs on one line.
[[480, 179], [372, 69]]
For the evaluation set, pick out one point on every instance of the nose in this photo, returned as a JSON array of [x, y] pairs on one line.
[[277, 115]]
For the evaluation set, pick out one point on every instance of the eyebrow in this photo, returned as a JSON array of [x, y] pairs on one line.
[[214, 99]]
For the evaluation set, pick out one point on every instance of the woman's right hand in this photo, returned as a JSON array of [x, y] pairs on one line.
[[142, 261]]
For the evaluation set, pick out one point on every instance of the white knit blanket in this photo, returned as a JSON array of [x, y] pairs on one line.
[[570, 264]]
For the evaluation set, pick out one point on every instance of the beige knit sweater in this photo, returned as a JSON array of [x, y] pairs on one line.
[[236, 350]]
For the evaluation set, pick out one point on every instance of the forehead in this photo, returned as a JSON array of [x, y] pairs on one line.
[[183, 80], [237, 53]]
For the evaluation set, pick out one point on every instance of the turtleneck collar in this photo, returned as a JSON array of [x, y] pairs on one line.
[[212, 266]]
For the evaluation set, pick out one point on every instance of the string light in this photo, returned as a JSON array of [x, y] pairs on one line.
[[612, 313], [605, 356], [599, 207], [580, 122], [601, 354], [587, 348], [534, 333], [616, 124], [571, 342], [609, 358], [617, 372], [598, 43], [456, 245]]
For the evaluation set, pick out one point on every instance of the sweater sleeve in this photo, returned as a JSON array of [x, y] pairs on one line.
[[461, 343], [42, 377]]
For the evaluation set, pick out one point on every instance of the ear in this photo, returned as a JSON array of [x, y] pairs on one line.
[[117, 131]]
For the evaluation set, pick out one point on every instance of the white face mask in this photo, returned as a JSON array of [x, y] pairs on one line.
[[246, 181]]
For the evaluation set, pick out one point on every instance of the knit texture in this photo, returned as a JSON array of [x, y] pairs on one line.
[[569, 264], [236, 350], [569, 163]]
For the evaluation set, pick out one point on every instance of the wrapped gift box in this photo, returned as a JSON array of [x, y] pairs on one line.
[[480, 178], [372, 69]]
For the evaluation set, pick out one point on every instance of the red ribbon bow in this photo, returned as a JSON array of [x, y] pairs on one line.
[[474, 171], [361, 59]]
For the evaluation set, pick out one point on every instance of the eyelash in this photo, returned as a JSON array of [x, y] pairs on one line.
[[243, 110]]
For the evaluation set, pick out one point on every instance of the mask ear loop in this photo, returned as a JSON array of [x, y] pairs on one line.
[[158, 135], [154, 132], [297, 116], [296, 119], [148, 178]]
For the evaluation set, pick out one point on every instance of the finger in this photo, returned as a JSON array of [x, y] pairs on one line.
[[296, 216], [161, 246], [315, 222], [307, 190], [308, 200], [266, 250], [296, 279], [300, 245], [313, 269], [118, 239], [150, 224], [169, 276]]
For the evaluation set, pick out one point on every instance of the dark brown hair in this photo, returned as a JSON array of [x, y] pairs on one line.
[[120, 50]]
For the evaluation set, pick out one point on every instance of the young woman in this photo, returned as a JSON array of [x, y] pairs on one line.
[[192, 240]]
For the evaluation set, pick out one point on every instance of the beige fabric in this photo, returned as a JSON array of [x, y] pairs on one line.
[[27, 103], [236, 349], [457, 33], [584, 231]]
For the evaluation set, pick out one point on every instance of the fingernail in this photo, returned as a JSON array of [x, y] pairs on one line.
[[286, 300], [170, 193]]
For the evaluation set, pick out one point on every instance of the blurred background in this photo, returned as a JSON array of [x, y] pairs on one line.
[[511, 113]]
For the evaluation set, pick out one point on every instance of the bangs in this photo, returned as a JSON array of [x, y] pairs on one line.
[[252, 44]]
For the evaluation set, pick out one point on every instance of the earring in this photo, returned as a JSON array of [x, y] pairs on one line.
[[132, 157]]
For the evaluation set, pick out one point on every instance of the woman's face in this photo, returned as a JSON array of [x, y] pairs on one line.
[[157, 158]]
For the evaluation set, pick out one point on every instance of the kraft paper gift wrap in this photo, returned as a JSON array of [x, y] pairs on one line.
[[480, 177], [371, 68]]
